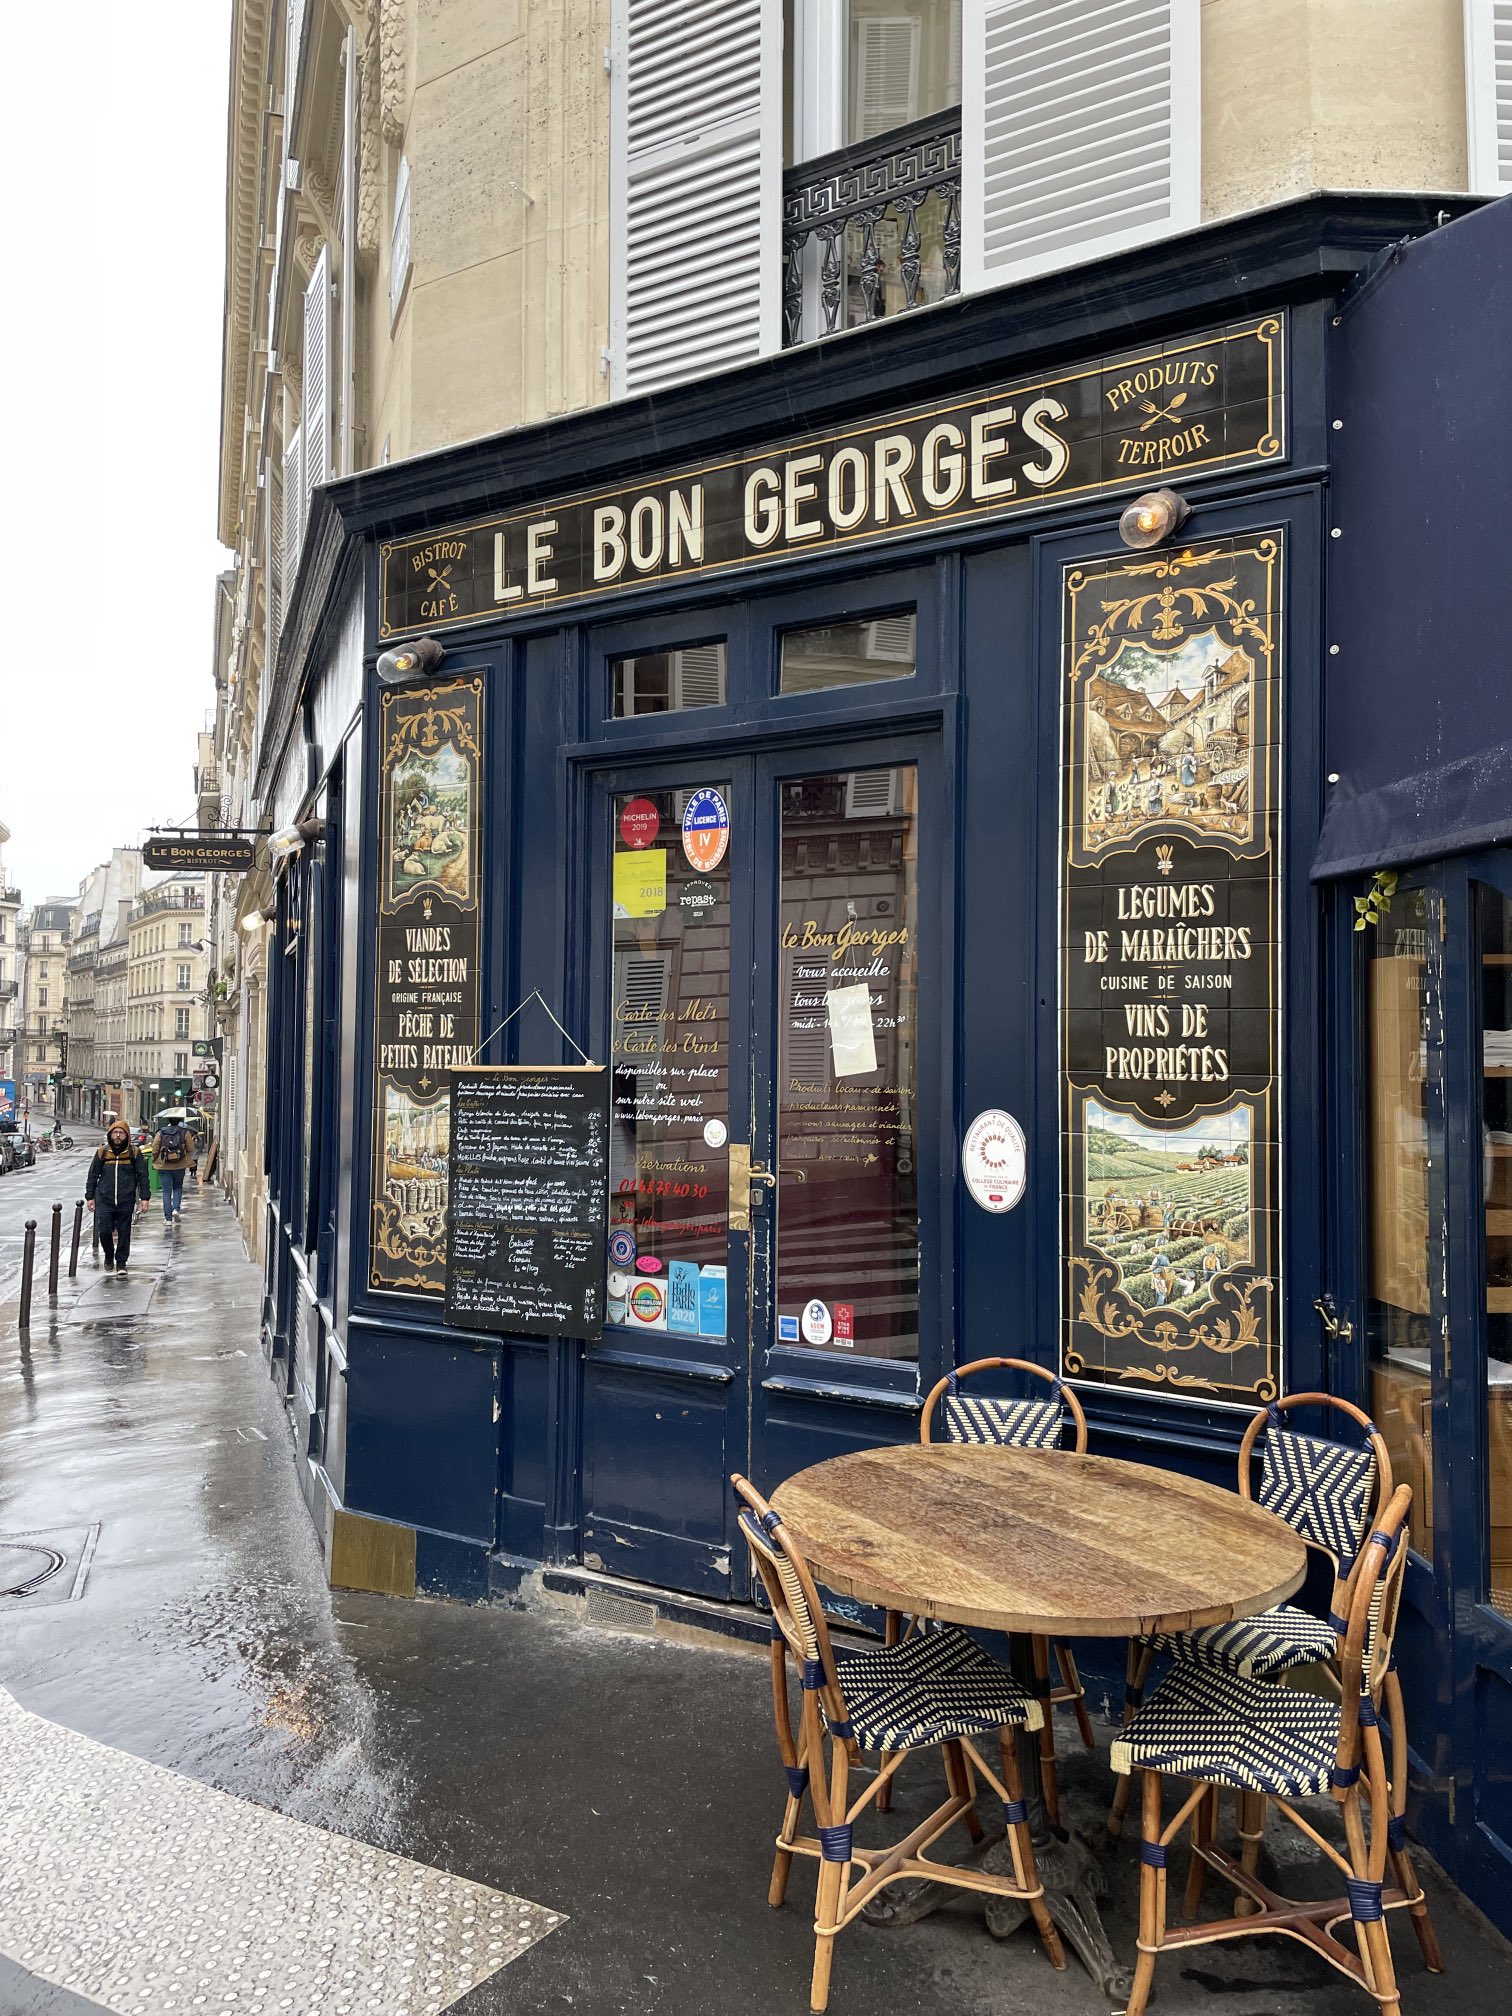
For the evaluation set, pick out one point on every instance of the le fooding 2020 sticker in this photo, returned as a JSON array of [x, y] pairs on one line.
[[705, 829]]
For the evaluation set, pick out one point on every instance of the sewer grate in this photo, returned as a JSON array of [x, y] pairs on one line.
[[620, 1613], [45, 1567]]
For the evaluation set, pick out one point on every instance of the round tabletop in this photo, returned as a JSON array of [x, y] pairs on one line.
[[1037, 1540]]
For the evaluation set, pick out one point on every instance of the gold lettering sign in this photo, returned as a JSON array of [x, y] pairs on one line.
[[1170, 972], [1191, 406]]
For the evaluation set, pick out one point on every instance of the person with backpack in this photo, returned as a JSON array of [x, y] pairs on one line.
[[173, 1149], [115, 1189]]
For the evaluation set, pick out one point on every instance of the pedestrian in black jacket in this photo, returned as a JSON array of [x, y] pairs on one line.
[[116, 1189]]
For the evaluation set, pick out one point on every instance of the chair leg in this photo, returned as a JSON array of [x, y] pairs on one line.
[[1401, 1860], [1021, 1847], [782, 1861], [1371, 1936], [890, 1635], [1135, 1674], [834, 1879], [1251, 1809], [1204, 1828], [1065, 1658], [958, 1779], [1152, 1902], [1041, 1652]]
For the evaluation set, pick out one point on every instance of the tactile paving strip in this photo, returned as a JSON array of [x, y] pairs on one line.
[[157, 1896]]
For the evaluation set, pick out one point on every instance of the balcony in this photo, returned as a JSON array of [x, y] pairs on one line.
[[8, 990], [168, 899], [872, 230]]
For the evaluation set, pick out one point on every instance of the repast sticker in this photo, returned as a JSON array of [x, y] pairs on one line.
[[705, 829]]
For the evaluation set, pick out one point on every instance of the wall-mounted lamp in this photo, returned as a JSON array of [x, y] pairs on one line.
[[410, 661], [1155, 517], [292, 839]]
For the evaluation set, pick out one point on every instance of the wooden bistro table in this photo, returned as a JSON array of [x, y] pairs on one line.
[[1038, 1542]]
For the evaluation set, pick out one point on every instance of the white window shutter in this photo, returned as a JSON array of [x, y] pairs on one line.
[[315, 420], [293, 511], [698, 676], [273, 494], [1488, 94], [399, 242], [696, 168], [1080, 131], [886, 78]]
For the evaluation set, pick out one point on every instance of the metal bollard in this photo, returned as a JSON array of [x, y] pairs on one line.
[[52, 1254], [28, 1255], [73, 1253]]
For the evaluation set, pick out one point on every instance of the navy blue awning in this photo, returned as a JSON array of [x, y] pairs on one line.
[[1418, 686], [1450, 808]]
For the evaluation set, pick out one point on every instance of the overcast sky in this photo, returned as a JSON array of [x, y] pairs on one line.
[[114, 145]]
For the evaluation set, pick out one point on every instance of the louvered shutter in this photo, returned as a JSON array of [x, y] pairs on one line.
[[871, 794], [697, 187], [891, 639], [1080, 130], [293, 509], [886, 73], [805, 1033], [315, 422], [698, 676], [399, 242], [273, 554], [1488, 92]]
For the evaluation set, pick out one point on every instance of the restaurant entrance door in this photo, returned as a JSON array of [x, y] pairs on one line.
[[1438, 1000], [762, 930]]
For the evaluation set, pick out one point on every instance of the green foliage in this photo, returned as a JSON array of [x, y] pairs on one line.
[[1373, 905]]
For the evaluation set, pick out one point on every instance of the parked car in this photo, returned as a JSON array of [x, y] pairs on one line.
[[7, 1152], [25, 1149]]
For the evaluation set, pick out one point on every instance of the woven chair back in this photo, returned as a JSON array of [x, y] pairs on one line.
[[1328, 1492], [796, 1609], [1365, 1656], [985, 1418]]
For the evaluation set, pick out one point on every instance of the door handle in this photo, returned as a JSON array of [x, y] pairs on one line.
[[1338, 1327], [760, 1178]]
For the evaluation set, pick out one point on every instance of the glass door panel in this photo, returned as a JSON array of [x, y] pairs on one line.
[[669, 1193], [1406, 1233], [847, 1194]]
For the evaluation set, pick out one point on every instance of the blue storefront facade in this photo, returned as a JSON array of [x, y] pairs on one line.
[[810, 748]]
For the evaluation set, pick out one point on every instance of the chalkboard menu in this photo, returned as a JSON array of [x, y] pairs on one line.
[[529, 1180]]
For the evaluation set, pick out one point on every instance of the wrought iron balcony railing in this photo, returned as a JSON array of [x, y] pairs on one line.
[[886, 217]]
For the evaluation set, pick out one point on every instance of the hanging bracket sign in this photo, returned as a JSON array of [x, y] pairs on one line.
[[198, 853], [994, 1160], [529, 1199]]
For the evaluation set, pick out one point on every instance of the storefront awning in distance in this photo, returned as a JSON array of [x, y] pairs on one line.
[[1418, 697]]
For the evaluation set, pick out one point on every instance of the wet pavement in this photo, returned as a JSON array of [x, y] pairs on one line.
[[627, 1781]]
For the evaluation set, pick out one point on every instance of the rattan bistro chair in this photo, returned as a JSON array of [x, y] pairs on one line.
[[1330, 1494], [937, 1691], [1276, 1746], [1019, 1424]]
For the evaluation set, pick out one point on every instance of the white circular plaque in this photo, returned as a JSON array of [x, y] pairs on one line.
[[817, 1326], [715, 1133], [994, 1160]]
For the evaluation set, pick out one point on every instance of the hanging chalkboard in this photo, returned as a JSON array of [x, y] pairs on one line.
[[527, 1207]]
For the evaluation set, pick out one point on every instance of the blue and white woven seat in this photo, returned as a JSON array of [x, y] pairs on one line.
[[1229, 1731], [935, 1686], [1010, 1424], [1256, 1648]]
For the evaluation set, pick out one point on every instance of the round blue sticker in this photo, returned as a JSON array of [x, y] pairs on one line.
[[705, 829], [622, 1248]]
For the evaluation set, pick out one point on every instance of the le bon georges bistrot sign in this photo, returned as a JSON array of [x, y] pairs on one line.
[[1194, 405]]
